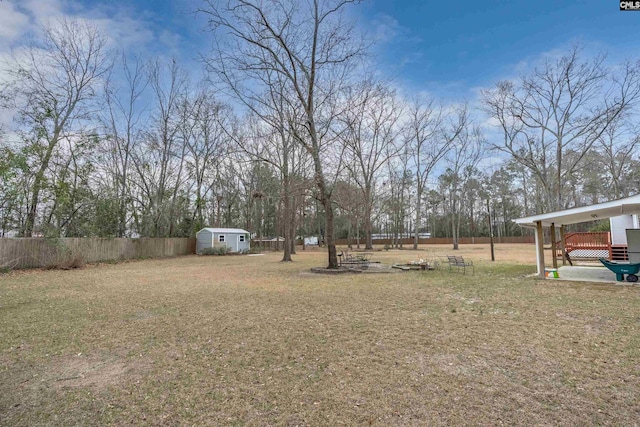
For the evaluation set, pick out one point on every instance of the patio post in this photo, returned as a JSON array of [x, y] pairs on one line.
[[554, 249], [562, 248], [540, 249]]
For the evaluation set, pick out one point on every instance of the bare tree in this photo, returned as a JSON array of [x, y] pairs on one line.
[[371, 123], [564, 105], [123, 119], [202, 129], [52, 84], [310, 46], [272, 140], [159, 162], [272, 143], [428, 145], [396, 195], [467, 150], [619, 144]]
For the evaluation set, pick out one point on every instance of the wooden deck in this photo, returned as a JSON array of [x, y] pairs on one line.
[[589, 245]]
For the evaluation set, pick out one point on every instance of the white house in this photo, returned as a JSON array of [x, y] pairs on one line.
[[619, 226]]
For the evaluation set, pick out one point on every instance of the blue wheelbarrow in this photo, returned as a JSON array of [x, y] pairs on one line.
[[631, 270]]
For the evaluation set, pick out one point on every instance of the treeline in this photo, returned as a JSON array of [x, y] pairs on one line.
[[288, 136]]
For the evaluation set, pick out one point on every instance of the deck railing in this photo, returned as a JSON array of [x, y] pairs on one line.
[[588, 244]]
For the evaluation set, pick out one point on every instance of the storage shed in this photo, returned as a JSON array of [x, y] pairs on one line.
[[235, 239]]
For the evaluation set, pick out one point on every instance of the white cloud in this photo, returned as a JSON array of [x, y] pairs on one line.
[[43, 10], [19, 22], [413, 57], [126, 28], [124, 32], [171, 40], [522, 66], [12, 22], [386, 28]]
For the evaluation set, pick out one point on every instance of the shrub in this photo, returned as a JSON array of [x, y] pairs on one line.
[[8, 266], [206, 251], [61, 257], [221, 250], [66, 261], [216, 250], [73, 261]]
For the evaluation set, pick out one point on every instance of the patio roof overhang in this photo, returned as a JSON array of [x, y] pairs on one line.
[[626, 206]]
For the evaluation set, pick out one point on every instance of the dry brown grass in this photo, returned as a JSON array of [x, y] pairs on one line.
[[252, 341]]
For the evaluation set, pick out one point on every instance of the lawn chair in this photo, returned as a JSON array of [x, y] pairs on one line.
[[459, 262]]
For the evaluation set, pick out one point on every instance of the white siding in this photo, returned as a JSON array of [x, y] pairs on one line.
[[633, 239], [204, 239], [210, 237], [619, 225]]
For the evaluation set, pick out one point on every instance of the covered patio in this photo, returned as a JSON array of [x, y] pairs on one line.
[[592, 273], [560, 219]]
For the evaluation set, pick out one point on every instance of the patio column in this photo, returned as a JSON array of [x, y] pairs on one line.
[[540, 249], [554, 249], [562, 248]]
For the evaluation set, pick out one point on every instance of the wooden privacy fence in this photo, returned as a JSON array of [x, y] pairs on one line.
[[445, 240], [37, 252], [273, 245]]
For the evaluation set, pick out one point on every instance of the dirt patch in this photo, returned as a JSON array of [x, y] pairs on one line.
[[80, 371], [335, 271], [372, 268]]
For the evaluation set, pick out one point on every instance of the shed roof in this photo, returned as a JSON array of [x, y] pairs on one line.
[[626, 206], [225, 230]]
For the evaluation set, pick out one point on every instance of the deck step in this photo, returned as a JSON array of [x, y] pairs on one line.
[[619, 253]]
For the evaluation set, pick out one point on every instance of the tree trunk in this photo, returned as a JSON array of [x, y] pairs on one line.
[[37, 186], [418, 208], [454, 234], [367, 222], [349, 245], [325, 198], [287, 215], [330, 241], [292, 226], [304, 224]]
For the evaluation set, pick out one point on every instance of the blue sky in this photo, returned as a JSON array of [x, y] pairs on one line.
[[449, 49], [455, 47]]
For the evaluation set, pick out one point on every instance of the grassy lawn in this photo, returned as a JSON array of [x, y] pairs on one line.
[[251, 341]]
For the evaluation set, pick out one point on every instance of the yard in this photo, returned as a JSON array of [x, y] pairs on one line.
[[250, 341]]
